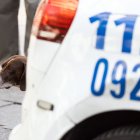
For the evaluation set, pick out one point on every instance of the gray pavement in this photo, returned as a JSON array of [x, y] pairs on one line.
[[10, 110]]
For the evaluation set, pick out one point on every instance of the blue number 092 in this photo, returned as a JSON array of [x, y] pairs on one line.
[[121, 81]]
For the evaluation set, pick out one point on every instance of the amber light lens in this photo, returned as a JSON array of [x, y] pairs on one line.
[[56, 20]]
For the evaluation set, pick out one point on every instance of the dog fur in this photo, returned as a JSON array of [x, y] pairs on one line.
[[13, 72]]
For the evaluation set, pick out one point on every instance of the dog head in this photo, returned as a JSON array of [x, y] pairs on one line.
[[13, 72]]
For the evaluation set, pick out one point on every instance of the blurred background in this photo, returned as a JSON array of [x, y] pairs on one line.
[[22, 24], [11, 99]]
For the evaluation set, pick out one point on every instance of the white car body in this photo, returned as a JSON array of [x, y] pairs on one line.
[[62, 74]]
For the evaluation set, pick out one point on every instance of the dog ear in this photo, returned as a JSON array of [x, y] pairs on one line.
[[8, 60], [22, 82]]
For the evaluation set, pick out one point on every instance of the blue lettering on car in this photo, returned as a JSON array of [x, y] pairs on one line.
[[122, 81], [103, 18]]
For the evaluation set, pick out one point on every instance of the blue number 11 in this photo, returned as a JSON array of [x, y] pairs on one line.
[[129, 22]]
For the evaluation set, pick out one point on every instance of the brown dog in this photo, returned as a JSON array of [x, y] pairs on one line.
[[13, 72]]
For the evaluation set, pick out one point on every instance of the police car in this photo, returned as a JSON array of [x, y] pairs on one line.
[[83, 73]]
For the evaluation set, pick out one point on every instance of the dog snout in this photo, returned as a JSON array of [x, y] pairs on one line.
[[2, 83]]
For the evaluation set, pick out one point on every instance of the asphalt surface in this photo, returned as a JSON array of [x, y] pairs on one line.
[[10, 110]]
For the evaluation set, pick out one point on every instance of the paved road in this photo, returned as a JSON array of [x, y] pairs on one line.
[[10, 110]]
